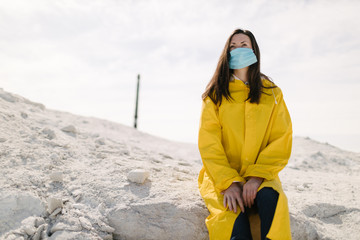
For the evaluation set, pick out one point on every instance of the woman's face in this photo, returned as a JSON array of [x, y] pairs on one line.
[[240, 41]]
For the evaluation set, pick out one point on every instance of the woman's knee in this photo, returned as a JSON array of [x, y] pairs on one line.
[[267, 195]]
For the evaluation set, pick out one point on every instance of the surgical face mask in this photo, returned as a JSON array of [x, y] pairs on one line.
[[241, 57]]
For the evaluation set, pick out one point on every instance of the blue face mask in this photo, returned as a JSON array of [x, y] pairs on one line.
[[241, 57]]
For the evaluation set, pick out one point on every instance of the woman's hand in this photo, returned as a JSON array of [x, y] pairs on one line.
[[232, 197], [250, 189]]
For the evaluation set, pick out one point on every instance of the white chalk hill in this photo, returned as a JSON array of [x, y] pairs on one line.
[[65, 176]]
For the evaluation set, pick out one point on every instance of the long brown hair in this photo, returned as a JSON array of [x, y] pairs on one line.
[[218, 86]]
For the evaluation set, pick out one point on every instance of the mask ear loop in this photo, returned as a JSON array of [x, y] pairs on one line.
[[274, 95]]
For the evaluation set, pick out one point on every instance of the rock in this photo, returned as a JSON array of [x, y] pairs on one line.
[[138, 176], [55, 212], [76, 226], [77, 198], [104, 227], [101, 208], [72, 235], [39, 221], [101, 155], [29, 226], [108, 229], [69, 129], [100, 141], [76, 212], [56, 176], [17, 206], [30, 230], [300, 188], [11, 237], [38, 232], [24, 115], [54, 157], [95, 135], [14, 237], [59, 226], [85, 223], [49, 134], [54, 203], [139, 221], [30, 221], [77, 195], [44, 235], [107, 237], [78, 206], [3, 140]]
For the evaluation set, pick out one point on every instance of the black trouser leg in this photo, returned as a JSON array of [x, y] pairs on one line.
[[266, 201], [241, 230]]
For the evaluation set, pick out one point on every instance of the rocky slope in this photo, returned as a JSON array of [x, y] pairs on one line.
[[70, 177]]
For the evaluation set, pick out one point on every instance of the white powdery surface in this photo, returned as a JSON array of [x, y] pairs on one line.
[[67, 177]]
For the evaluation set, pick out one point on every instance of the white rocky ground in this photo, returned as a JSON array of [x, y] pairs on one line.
[[70, 177]]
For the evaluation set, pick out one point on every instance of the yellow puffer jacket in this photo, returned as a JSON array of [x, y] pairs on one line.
[[241, 139]]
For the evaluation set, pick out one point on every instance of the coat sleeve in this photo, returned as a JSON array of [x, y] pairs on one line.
[[211, 149], [275, 155]]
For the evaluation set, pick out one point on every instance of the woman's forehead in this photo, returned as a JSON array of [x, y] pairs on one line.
[[240, 38]]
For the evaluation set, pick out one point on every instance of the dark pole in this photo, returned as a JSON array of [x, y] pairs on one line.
[[137, 100]]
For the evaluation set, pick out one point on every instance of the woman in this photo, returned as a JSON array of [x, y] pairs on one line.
[[245, 140]]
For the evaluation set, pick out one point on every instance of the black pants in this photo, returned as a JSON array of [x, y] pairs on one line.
[[265, 201]]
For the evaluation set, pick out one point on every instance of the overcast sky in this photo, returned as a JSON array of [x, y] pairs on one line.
[[83, 57]]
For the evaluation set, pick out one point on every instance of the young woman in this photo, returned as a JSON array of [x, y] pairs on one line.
[[245, 140]]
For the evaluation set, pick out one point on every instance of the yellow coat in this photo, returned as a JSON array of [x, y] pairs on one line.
[[241, 139]]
